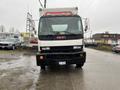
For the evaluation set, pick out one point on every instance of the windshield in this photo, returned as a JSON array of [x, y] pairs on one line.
[[60, 26]]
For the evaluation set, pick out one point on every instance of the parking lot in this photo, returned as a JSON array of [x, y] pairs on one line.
[[18, 71]]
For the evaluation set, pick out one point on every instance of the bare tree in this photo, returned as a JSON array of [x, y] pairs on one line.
[[12, 30], [2, 28]]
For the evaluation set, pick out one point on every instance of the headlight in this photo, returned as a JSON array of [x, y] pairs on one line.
[[77, 47], [45, 48]]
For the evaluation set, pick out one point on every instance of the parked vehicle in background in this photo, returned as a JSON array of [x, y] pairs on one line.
[[90, 42], [33, 42], [116, 49], [16, 36], [9, 43], [29, 40], [18, 39]]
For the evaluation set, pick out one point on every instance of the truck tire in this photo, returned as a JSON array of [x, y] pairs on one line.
[[116, 51], [42, 67], [79, 65]]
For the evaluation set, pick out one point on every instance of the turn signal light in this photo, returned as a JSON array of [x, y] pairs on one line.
[[41, 57]]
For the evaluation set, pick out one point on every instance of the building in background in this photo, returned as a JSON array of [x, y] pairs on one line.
[[90, 42], [107, 38]]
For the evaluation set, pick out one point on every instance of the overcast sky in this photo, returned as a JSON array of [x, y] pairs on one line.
[[104, 15]]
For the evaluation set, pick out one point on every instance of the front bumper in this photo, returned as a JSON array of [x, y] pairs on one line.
[[55, 58]]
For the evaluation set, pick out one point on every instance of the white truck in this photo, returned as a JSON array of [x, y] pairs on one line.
[[60, 38]]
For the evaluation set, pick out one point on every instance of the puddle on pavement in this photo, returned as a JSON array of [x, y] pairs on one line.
[[9, 57], [19, 73], [18, 70]]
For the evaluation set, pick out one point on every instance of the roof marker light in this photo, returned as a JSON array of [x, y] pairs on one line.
[[65, 13]]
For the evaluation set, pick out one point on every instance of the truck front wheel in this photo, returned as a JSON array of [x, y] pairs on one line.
[[42, 67], [79, 65]]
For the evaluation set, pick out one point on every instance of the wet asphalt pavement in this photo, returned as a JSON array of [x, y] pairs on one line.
[[100, 72]]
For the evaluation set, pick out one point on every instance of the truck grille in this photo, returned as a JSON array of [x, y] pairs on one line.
[[62, 49], [64, 56]]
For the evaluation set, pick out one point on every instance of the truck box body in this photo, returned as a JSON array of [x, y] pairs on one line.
[[60, 38], [73, 10]]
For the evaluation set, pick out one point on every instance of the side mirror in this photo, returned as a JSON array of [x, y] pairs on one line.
[[86, 24], [35, 32], [86, 28]]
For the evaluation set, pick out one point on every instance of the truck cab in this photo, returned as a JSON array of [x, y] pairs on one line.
[[60, 38]]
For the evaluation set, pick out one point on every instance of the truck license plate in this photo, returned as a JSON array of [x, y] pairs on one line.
[[62, 63]]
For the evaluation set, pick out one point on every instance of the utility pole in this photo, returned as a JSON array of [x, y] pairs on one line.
[[41, 3], [30, 24], [45, 3]]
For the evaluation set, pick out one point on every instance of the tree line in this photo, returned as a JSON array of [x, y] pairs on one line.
[[11, 30]]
